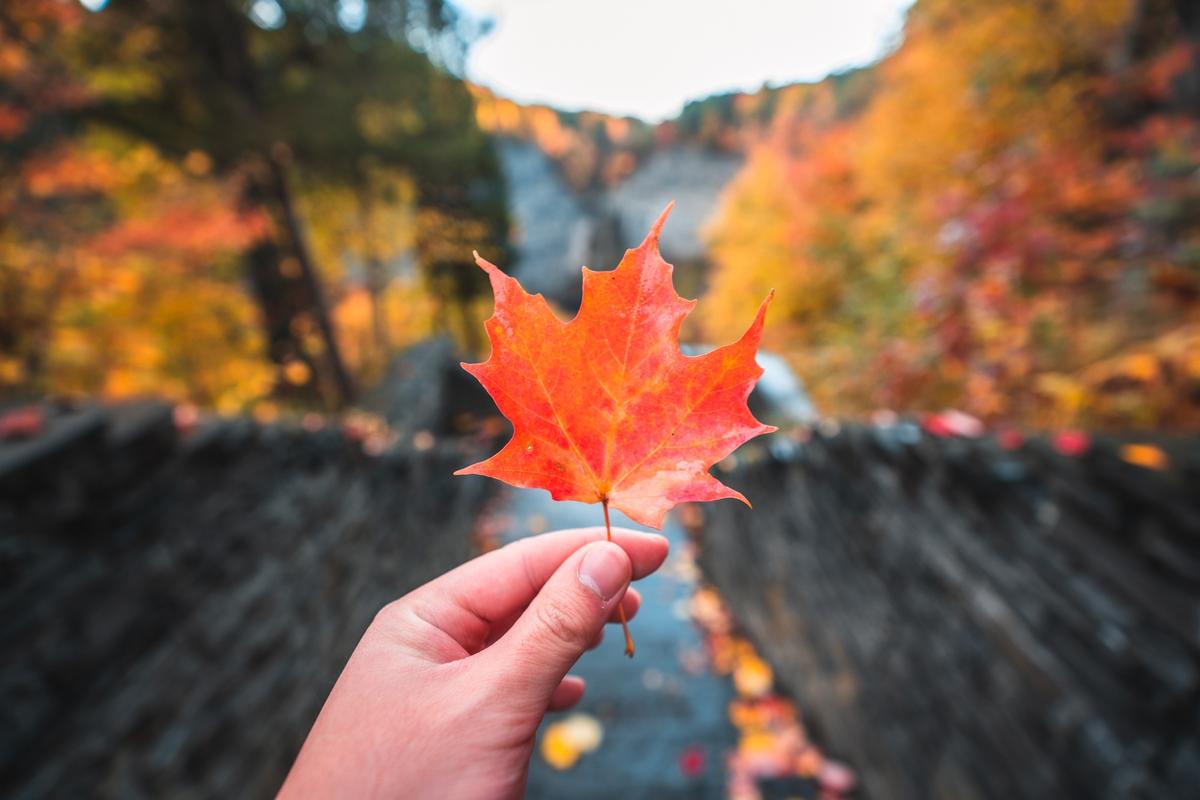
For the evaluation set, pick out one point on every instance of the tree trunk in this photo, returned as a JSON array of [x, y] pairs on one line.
[[376, 283], [218, 30], [319, 306]]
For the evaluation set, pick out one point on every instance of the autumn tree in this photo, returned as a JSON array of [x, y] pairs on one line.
[[1001, 224], [267, 108]]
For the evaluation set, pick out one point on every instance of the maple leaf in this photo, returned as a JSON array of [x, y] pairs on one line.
[[605, 408]]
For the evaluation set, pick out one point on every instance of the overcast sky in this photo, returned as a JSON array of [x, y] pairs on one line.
[[647, 57]]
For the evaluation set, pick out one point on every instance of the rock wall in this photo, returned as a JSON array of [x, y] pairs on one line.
[[551, 226], [556, 230], [963, 621], [691, 177], [175, 608]]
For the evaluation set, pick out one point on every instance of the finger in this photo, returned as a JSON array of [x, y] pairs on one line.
[[568, 692], [534, 656], [597, 640], [500, 627], [469, 600], [630, 604]]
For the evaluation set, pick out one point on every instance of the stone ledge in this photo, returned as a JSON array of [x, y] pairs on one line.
[[174, 608], [961, 620]]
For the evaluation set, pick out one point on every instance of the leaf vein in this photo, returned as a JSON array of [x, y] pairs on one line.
[[687, 414]]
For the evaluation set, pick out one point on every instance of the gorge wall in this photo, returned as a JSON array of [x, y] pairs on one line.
[[175, 605], [556, 230], [963, 621]]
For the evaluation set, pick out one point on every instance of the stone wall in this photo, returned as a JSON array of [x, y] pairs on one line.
[[963, 621], [174, 608]]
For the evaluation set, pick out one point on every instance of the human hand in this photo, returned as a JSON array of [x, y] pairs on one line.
[[444, 693]]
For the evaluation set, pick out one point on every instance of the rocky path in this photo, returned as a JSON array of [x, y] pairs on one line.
[[663, 714], [555, 230]]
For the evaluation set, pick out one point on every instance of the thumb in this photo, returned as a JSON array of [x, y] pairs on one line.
[[562, 621]]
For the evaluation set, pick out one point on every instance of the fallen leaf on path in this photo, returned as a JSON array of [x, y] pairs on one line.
[[22, 423], [565, 741], [1145, 455]]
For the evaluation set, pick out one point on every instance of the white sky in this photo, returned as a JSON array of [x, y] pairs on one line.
[[647, 57]]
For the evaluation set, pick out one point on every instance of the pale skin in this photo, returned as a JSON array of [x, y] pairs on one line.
[[443, 695]]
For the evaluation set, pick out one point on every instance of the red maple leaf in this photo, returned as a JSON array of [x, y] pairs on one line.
[[605, 408]]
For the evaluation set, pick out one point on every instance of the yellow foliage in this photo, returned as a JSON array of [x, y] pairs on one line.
[[123, 267], [405, 315], [572, 142], [353, 229], [296, 372], [148, 305], [752, 677], [980, 233]]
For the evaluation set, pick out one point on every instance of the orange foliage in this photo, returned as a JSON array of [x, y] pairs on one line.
[[592, 149], [184, 229], [121, 279]]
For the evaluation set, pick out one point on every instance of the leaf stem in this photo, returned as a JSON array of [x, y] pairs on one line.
[[620, 606]]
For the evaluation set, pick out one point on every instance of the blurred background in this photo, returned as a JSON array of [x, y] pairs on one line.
[[254, 207], [236, 279]]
